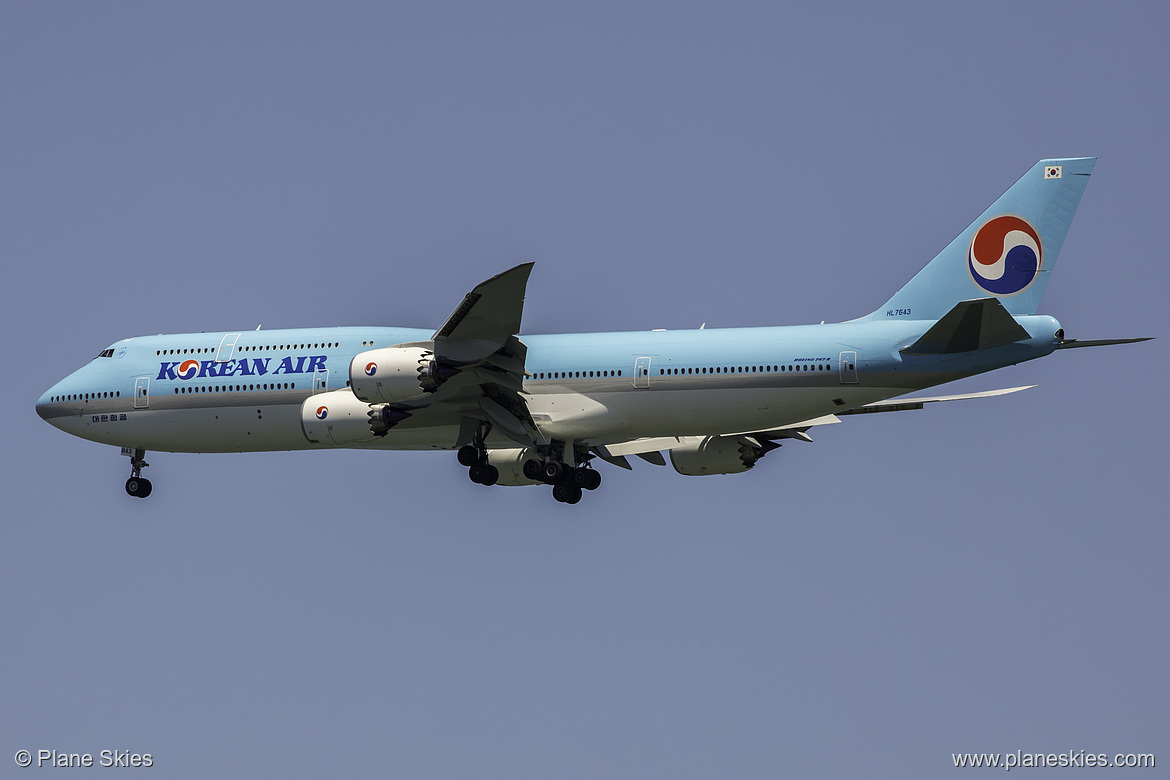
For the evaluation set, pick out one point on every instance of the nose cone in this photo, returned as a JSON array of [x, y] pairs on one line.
[[43, 406], [47, 410]]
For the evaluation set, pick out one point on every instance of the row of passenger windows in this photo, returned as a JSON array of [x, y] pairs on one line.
[[234, 388], [574, 374], [85, 396], [746, 369], [248, 348], [680, 371]]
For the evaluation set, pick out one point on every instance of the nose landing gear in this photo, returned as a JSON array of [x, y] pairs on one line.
[[137, 486]]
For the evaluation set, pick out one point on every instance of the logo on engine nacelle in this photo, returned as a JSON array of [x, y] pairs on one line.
[[371, 369], [322, 412]]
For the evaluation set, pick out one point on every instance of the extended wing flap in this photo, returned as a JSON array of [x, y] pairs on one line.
[[640, 446]]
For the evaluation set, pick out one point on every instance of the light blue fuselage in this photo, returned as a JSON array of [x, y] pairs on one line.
[[591, 388]]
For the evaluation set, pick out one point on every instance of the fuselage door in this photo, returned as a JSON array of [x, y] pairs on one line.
[[142, 392], [320, 380], [642, 372], [848, 368], [227, 345]]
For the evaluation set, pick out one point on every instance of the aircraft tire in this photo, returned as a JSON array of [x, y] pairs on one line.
[[138, 487], [593, 480], [468, 456], [484, 474], [554, 472], [566, 493], [533, 469]]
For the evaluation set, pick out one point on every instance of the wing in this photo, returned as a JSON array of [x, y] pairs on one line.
[[482, 363], [488, 316], [767, 440]]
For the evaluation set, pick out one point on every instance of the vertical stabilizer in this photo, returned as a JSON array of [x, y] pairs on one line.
[[1008, 253]]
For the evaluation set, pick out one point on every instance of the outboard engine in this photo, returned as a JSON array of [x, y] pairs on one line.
[[716, 455]]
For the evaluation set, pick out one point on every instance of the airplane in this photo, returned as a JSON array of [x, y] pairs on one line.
[[522, 409]]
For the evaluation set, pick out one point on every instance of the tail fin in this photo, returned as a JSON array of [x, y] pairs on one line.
[[1008, 253]]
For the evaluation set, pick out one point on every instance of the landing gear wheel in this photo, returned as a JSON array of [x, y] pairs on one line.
[[566, 493], [468, 456], [139, 487], [533, 469], [586, 479], [484, 474], [554, 472]]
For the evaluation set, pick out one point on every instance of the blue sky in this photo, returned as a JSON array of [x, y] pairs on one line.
[[978, 577]]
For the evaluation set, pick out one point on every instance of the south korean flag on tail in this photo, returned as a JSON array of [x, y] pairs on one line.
[[1052, 171]]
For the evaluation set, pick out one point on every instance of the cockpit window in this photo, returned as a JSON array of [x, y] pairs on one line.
[[106, 353]]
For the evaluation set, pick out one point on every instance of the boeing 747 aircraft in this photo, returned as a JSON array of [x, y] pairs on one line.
[[539, 409]]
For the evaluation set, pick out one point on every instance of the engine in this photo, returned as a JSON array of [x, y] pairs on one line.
[[510, 462], [339, 417], [716, 455], [394, 374]]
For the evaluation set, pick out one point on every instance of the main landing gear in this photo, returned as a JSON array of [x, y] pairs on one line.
[[137, 486], [478, 469], [567, 482]]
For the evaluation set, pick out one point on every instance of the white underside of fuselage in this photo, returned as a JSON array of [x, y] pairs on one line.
[[559, 413]]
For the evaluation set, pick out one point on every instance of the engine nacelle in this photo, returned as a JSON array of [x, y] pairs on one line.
[[393, 374], [340, 417], [336, 417], [511, 465], [715, 455]]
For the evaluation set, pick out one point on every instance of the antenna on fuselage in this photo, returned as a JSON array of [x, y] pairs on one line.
[[257, 327]]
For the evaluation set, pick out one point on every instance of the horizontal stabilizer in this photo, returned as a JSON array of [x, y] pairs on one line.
[[1073, 343], [971, 325]]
